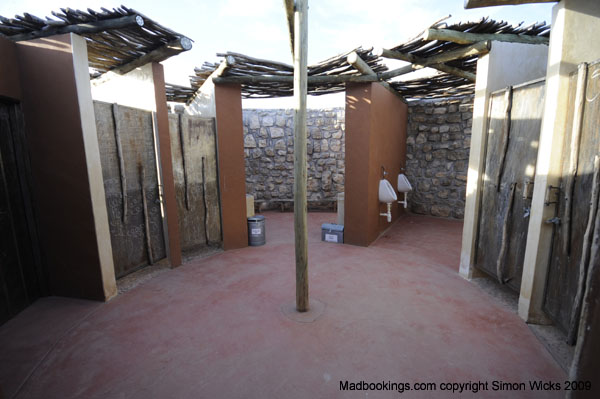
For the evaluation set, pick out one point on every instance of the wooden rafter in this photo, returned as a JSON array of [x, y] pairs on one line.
[[450, 35], [436, 62], [361, 66], [83, 28], [157, 55]]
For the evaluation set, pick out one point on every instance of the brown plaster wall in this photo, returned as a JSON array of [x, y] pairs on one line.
[[375, 137], [162, 118], [59, 173], [9, 71], [232, 173]]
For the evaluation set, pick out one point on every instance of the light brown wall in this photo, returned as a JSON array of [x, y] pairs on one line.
[[232, 173], [59, 170], [9, 71], [170, 202], [375, 137]]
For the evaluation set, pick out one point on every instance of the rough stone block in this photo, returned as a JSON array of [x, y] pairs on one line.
[[249, 142], [253, 122], [276, 132], [441, 210]]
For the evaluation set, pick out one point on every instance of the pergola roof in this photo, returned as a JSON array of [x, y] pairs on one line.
[[451, 49], [245, 66], [118, 40]]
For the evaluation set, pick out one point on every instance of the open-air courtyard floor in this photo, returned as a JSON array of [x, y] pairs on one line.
[[214, 328]]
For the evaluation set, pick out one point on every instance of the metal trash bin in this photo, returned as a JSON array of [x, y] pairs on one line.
[[256, 231], [332, 233]]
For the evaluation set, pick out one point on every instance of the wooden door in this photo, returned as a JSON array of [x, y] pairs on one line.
[[22, 278], [129, 169], [507, 182], [568, 239], [194, 155]]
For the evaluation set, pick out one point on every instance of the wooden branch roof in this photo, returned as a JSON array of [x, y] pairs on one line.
[[115, 38], [456, 58], [250, 66], [178, 93], [424, 48]]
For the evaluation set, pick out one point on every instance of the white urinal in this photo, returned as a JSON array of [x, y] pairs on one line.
[[403, 187], [387, 195]]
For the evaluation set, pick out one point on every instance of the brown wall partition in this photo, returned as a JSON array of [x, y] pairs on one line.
[[164, 137], [232, 172], [375, 137], [9, 71], [61, 183]]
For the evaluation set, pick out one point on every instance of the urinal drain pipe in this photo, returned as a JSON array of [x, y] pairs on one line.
[[388, 214]]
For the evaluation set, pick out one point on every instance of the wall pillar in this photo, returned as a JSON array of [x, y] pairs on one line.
[[375, 136], [232, 170], [166, 166], [506, 64], [68, 189]]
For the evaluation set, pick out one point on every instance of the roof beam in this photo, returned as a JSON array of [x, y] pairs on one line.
[[361, 66], [223, 66], [157, 55], [358, 63], [81, 29], [436, 62], [319, 79], [490, 3], [450, 35]]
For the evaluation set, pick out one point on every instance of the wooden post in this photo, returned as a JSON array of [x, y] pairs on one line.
[[300, 91], [574, 155]]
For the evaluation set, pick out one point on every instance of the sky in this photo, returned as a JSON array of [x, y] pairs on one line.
[[258, 28]]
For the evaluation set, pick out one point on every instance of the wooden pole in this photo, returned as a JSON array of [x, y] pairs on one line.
[[504, 243], [300, 91], [121, 162], [508, 97], [574, 155], [157, 55], [418, 61], [449, 35]]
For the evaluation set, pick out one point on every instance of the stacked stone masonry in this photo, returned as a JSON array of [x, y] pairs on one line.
[[269, 153], [438, 143]]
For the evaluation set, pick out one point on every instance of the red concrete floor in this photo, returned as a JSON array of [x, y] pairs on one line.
[[213, 328]]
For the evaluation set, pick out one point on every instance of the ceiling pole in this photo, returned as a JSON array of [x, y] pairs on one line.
[[300, 210]]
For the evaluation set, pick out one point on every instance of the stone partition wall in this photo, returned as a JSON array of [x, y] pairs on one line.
[[269, 153], [438, 142]]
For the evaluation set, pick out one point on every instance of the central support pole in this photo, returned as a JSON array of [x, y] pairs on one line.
[[300, 91]]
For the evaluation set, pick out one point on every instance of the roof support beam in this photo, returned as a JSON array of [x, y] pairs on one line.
[[436, 62], [157, 55], [81, 29], [364, 68], [450, 35], [223, 66], [319, 79]]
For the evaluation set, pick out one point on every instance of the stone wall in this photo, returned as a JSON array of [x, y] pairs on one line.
[[438, 143], [269, 151]]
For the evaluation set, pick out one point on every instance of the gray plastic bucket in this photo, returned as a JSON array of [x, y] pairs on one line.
[[256, 231]]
